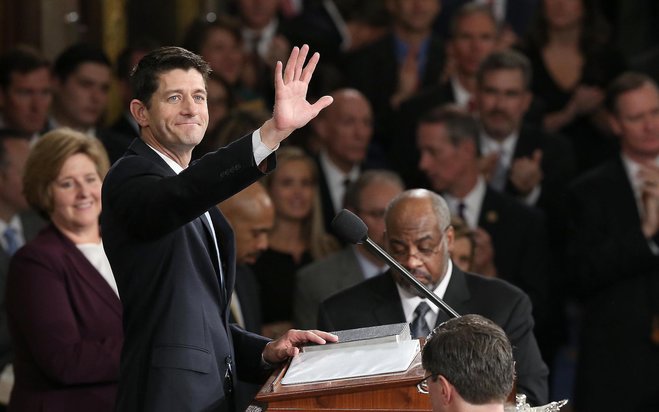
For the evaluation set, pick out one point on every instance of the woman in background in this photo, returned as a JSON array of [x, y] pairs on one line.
[[62, 301], [573, 61], [297, 238]]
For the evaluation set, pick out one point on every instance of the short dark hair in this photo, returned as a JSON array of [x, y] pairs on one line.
[[71, 58], [352, 198], [144, 79], [506, 60], [622, 84], [469, 9], [21, 59], [474, 355], [460, 125]]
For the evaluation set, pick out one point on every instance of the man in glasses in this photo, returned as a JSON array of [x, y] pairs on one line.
[[469, 365], [419, 236]]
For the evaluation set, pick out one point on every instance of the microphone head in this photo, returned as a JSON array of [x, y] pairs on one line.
[[349, 227]]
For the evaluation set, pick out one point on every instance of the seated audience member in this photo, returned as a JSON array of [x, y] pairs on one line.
[[470, 366], [573, 60], [613, 251], [251, 214], [344, 131], [367, 198], [419, 236], [25, 90], [62, 301], [298, 236], [464, 245], [82, 76], [18, 223]]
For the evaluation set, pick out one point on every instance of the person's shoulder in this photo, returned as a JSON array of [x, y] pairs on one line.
[[495, 289], [598, 177], [328, 263], [369, 287]]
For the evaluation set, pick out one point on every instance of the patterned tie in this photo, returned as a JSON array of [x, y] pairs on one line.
[[419, 327], [11, 237]]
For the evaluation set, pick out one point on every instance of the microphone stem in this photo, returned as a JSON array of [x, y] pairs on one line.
[[379, 252]]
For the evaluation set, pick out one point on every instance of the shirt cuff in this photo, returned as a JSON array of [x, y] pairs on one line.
[[532, 198], [261, 151]]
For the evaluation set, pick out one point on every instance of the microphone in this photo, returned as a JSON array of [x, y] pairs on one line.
[[353, 230]]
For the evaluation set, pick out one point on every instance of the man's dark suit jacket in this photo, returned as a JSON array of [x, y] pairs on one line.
[[616, 277], [118, 137], [521, 254], [247, 289], [179, 344], [32, 223], [376, 302], [65, 323]]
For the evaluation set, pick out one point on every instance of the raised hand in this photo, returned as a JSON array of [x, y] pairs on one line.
[[526, 172], [292, 110]]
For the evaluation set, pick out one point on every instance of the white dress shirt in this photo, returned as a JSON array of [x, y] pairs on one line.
[[473, 202], [335, 180]]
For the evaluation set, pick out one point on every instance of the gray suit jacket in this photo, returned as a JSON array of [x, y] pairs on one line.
[[32, 223], [321, 279]]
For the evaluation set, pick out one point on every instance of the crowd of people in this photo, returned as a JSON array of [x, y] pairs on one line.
[[507, 156]]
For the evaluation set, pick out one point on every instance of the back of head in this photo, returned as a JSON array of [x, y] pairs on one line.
[[144, 79], [475, 356]]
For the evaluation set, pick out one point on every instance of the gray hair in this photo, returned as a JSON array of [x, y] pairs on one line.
[[437, 203]]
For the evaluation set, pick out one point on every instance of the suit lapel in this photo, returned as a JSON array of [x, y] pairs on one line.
[[387, 308], [456, 296]]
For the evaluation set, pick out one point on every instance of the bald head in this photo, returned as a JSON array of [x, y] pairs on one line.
[[251, 214], [345, 128], [419, 235]]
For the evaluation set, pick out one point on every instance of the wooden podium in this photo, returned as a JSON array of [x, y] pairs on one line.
[[388, 392]]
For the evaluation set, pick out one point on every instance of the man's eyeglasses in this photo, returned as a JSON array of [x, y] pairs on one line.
[[422, 386]]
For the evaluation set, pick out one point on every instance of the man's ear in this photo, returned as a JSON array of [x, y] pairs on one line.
[[614, 123], [139, 112], [446, 390]]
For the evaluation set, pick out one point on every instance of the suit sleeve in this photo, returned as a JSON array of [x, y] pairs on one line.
[[154, 204], [249, 348], [531, 371], [45, 322]]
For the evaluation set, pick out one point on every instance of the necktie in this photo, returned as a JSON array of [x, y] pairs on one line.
[[11, 237], [461, 211], [419, 327], [500, 175]]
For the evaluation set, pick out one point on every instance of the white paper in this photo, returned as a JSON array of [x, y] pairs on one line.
[[351, 362]]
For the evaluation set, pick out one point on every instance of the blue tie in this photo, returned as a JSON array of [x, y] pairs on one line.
[[11, 237], [419, 327]]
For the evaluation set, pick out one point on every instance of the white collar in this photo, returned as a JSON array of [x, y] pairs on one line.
[[462, 95], [335, 178], [410, 301], [177, 168], [473, 202]]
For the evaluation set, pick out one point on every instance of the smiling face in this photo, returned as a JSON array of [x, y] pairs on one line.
[[292, 190], [76, 195], [177, 117]]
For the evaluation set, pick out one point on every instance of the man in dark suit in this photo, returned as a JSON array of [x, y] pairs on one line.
[[419, 237], [511, 239], [614, 254], [344, 131], [473, 37], [394, 68], [172, 251], [367, 198]]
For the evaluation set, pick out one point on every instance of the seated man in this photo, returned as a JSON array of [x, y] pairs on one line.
[[419, 236], [470, 366]]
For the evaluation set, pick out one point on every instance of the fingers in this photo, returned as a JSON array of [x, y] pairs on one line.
[[279, 82], [310, 68], [325, 335], [299, 64], [322, 103], [537, 156], [289, 71]]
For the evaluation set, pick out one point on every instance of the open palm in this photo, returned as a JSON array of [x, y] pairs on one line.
[[292, 110]]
